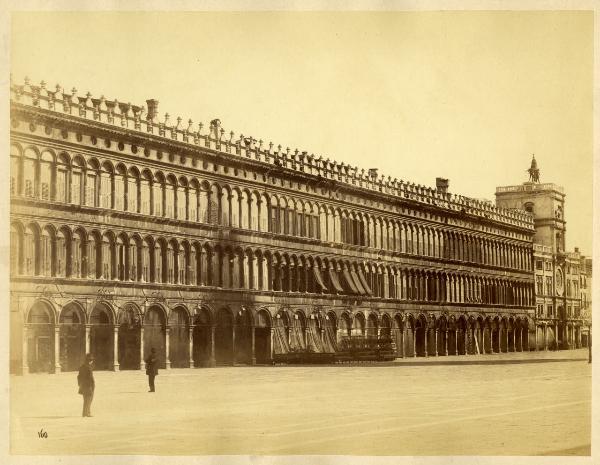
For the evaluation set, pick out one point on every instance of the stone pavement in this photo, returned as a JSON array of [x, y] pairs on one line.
[[508, 404]]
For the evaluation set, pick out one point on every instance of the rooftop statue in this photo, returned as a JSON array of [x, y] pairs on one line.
[[534, 172]]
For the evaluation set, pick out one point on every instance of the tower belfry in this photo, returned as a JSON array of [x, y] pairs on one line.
[[534, 172]]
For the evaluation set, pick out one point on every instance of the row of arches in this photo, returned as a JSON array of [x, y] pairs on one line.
[[121, 337], [100, 183], [77, 253]]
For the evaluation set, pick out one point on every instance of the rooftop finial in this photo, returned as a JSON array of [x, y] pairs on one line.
[[534, 172]]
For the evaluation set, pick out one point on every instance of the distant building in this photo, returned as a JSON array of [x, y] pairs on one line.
[[560, 276]]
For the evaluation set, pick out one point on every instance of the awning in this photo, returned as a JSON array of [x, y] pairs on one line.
[[319, 278], [335, 282], [359, 286], [349, 281], [363, 281]]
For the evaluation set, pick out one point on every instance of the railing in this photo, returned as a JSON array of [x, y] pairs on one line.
[[530, 187]]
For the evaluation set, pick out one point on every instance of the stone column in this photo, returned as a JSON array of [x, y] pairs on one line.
[[211, 361], [57, 367], [272, 330], [521, 340], [425, 340], [455, 342], [545, 337], [467, 332], [506, 333], [142, 361], [87, 339], [233, 345], [414, 343], [253, 360], [25, 360], [167, 348], [191, 345], [436, 341], [556, 336], [514, 341], [446, 342], [536, 339], [116, 348]]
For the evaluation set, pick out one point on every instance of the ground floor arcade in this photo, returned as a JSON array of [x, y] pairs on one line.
[[52, 335]]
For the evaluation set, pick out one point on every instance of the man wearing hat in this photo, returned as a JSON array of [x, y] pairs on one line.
[[151, 368], [85, 379]]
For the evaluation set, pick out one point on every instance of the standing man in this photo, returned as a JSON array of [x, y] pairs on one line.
[[85, 379], [151, 368]]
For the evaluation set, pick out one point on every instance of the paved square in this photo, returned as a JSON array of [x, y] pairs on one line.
[[512, 404]]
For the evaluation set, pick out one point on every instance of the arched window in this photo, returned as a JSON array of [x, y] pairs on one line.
[[31, 251], [157, 196], [61, 255], [120, 255], [192, 204], [77, 170], [16, 250], [15, 171], [91, 187], [145, 193], [92, 253], [120, 188], [182, 200], [106, 196], [29, 173], [170, 198], [46, 176], [78, 254], [132, 191]]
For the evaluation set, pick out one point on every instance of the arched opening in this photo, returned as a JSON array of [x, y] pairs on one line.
[[410, 337], [155, 334], [130, 325], [72, 337], [359, 326], [461, 335], [281, 331], [495, 336], [101, 337], [452, 340], [262, 337], [298, 331], [40, 339], [179, 338], [442, 343], [202, 337], [397, 335], [314, 342], [224, 337], [503, 336], [420, 335], [330, 334], [345, 329], [386, 326], [372, 326], [243, 337]]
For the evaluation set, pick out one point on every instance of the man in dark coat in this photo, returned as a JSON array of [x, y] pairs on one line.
[[151, 368], [85, 379]]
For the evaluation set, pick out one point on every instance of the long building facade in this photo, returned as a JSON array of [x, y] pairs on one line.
[[130, 232]]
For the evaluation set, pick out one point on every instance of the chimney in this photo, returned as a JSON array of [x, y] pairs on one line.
[[441, 185], [152, 109], [373, 172]]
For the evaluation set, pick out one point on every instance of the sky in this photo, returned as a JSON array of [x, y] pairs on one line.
[[464, 95]]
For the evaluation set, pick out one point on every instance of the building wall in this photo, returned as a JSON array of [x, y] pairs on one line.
[[128, 233]]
